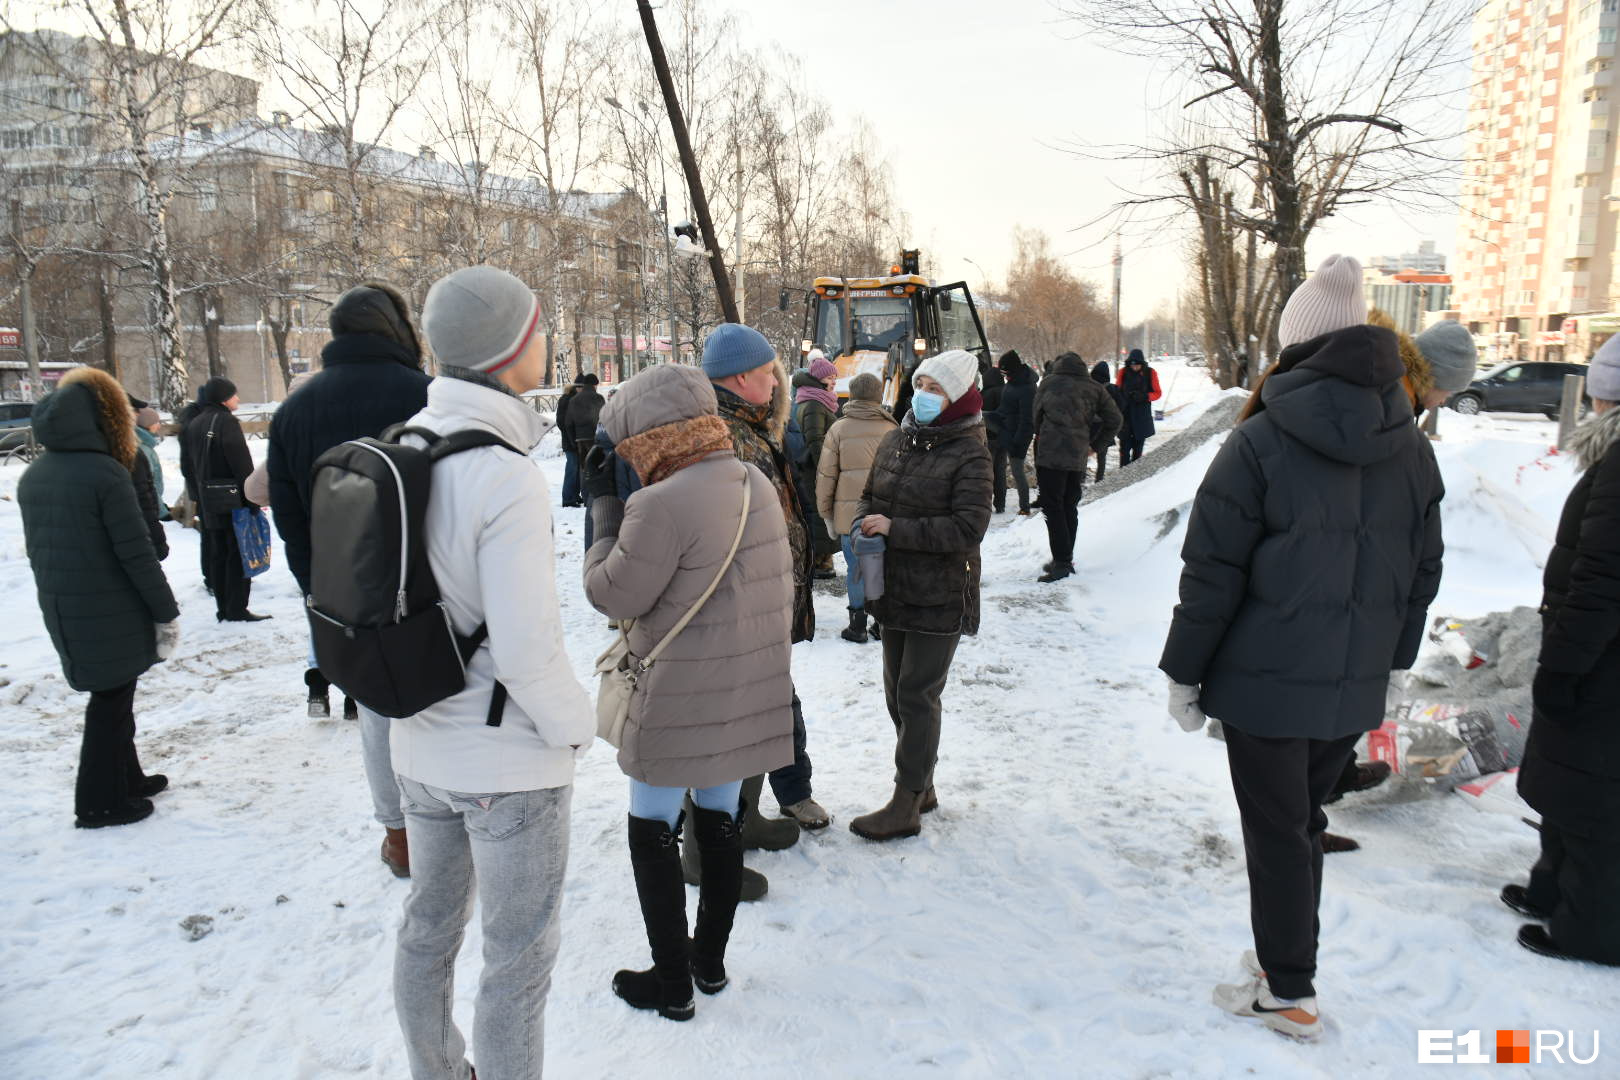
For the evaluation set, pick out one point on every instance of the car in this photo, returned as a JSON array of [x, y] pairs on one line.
[[1518, 387], [16, 413]]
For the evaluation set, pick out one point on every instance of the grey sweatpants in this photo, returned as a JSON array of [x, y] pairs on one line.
[[915, 667], [512, 849]]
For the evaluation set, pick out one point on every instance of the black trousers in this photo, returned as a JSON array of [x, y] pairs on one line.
[[1060, 502], [1280, 785], [1577, 878], [915, 667], [1130, 449], [791, 783], [206, 555], [1102, 462], [231, 586], [108, 763], [1002, 459]]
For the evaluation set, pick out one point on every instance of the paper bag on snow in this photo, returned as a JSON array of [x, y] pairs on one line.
[[1448, 745]]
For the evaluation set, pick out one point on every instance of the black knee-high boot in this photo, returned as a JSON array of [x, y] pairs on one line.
[[719, 841], [667, 985]]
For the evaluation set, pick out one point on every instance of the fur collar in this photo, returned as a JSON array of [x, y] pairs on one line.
[[1593, 439], [660, 451], [114, 416]]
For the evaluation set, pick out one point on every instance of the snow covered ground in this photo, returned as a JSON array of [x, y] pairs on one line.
[[1065, 913]]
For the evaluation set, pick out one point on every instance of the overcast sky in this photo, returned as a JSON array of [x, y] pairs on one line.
[[973, 101]]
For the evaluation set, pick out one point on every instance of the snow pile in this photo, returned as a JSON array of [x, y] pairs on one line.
[[1074, 899]]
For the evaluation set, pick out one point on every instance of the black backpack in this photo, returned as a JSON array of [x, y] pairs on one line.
[[381, 631]]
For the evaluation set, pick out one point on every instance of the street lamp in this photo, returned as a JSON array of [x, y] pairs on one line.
[[663, 205]]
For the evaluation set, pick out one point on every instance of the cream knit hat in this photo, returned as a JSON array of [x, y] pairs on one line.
[[956, 371], [1331, 299]]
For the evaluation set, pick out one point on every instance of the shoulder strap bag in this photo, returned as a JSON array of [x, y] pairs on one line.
[[621, 672], [219, 497]]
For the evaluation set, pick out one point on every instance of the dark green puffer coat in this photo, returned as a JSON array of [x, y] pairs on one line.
[[934, 485], [101, 589]]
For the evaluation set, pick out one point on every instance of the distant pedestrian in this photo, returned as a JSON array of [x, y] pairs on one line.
[[846, 461], [716, 707], [1571, 769], [1139, 387], [220, 456], [147, 474], [577, 426], [571, 490], [1015, 421], [149, 430], [1073, 418], [105, 601], [815, 407], [1312, 554], [487, 805], [371, 378], [1104, 378], [928, 496]]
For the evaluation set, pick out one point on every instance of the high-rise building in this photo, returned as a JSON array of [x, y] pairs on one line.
[[1536, 263], [1425, 260]]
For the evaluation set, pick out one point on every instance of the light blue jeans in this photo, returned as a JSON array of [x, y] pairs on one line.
[[511, 850], [377, 757], [664, 803]]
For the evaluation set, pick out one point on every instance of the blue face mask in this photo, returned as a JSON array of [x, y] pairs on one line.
[[926, 406]]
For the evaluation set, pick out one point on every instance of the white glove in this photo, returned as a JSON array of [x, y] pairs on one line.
[[1396, 691], [168, 636], [1184, 708]]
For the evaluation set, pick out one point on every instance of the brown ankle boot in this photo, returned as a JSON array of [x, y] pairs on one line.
[[396, 853], [902, 817], [930, 801]]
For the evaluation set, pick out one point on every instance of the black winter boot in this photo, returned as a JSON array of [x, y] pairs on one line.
[[719, 844], [351, 711], [857, 627], [667, 985], [319, 707]]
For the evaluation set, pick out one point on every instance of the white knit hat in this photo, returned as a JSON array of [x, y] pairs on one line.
[[1331, 299], [956, 371]]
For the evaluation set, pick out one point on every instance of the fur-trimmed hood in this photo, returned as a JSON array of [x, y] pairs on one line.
[[1592, 441], [88, 411]]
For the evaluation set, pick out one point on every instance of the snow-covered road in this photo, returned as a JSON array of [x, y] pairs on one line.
[[1065, 913]]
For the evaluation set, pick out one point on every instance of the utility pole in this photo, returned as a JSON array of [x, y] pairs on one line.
[[737, 253], [1119, 262], [694, 181], [25, 300]]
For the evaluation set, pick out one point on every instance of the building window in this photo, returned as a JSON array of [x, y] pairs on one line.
[[533, 237], [1606, 35], [506, 231], [208, 196]]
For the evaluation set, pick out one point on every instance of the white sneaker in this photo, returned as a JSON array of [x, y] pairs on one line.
[[1251, 963], [1297, 1019]]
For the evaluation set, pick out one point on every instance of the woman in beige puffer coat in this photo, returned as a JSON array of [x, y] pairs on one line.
[[846, 459], [716, 708]]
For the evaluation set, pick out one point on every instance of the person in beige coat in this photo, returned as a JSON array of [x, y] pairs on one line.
[[846, 459], [716, 708]]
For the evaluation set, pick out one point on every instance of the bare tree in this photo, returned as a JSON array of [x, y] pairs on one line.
[[1046, 309], [1308, 107]]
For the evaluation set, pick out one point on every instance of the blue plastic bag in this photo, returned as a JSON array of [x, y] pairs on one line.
[[252, 539]]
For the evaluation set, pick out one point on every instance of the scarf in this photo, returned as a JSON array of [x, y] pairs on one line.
[[963, 407], [817, 393], [662, 451]]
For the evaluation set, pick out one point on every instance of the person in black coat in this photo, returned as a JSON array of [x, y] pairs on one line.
[[578, 428], [994, 384], [1015, 421], [1074, 418], [219, 453], [1101, 374], [1571, 768], [1312, 554], [1138, 390], [182, 422], [105, 602], [571, 494]]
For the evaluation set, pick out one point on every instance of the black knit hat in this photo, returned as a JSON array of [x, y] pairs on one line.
[[1010, 361], [586, 378], [217, 390], [377, 308]]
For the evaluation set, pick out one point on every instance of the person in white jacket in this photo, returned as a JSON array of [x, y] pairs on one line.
[[487, 807]]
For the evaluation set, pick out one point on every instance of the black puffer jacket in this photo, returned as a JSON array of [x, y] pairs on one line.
[[151, 509], [101, 589], [1066, 404], [934, 485], [1571, 770], [1017, 411], [1314, 547], [367, 383], [995, 384], [584, 410]]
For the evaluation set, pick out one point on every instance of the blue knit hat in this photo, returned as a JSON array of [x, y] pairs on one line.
[[732, 349]]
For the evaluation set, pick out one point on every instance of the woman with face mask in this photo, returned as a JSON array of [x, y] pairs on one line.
[[928, 495]]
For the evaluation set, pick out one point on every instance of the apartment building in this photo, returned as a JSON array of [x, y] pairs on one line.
[[1536, 267]]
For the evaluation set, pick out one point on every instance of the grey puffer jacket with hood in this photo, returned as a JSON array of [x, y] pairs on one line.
[[717, 706], [1314, 547]]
